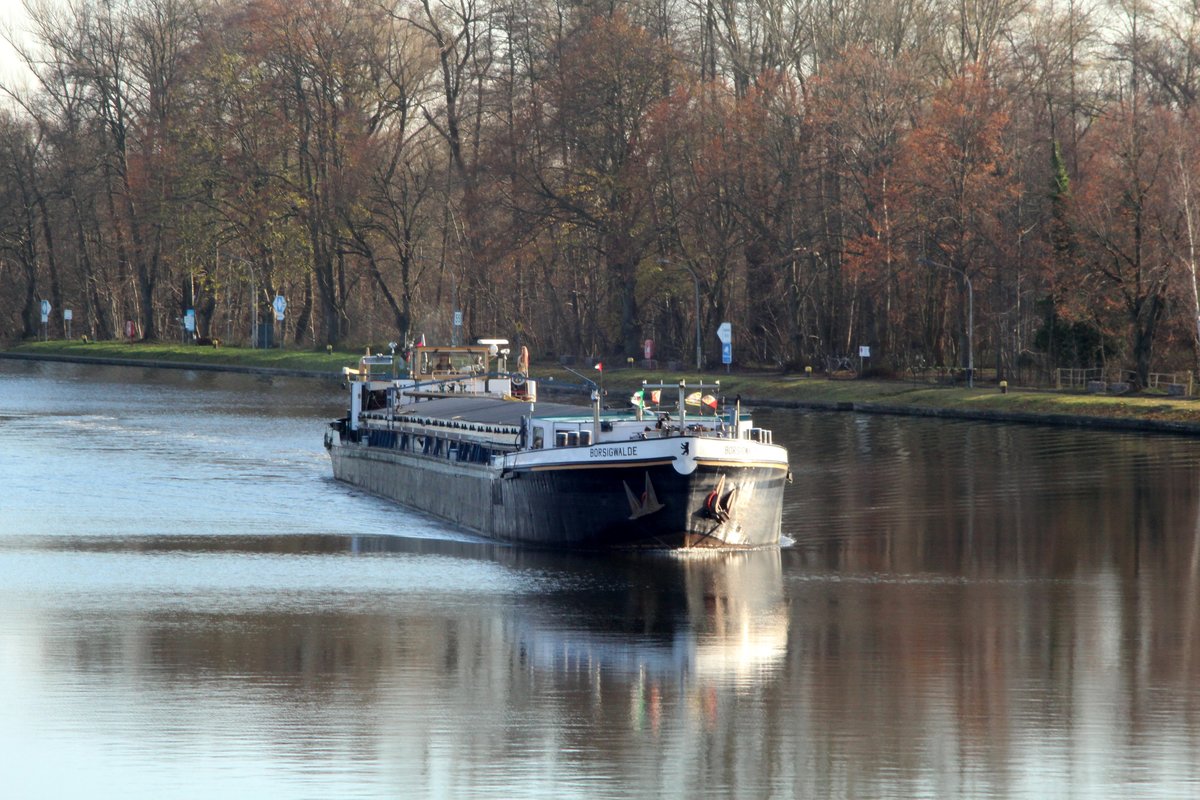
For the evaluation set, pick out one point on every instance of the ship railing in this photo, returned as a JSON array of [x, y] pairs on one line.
[[438, 425], [442, 380], [696, 429], [498, 441], [373, 368], [689, 394]]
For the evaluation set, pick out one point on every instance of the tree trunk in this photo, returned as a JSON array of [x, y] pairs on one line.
[[1148, 315]]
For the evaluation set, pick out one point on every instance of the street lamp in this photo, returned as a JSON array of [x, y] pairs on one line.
[[696, 286], [970, 317], [255, 333]]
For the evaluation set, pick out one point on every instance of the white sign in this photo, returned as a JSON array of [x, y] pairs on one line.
[[67, 315], [725, 333], [864, 351], [45, 310], [189, 320], [458, 319]]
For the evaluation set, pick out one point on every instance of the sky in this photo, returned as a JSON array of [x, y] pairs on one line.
[[12, 18]]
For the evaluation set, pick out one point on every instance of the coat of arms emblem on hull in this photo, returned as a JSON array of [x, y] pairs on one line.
[[646, 504]]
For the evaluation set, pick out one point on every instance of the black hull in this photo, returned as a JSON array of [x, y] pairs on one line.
[[625, 505]]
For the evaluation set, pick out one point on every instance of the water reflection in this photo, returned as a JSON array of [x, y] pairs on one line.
[[714, 616], [928, 685], [436, 656], [189, 607], [997, 610], [899, 495]]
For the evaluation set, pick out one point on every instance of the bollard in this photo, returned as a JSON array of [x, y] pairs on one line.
[[1003, 387]]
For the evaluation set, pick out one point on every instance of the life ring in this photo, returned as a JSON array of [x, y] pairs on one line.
[[715, 505], [517, 379]]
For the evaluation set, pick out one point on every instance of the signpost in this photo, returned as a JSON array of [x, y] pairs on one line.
[[280, 306], [725, 334], [45, 317], [67, 320], [864, 352], [458, 321]]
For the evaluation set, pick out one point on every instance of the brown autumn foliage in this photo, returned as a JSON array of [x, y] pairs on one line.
[[571, 176], [1129, 221]]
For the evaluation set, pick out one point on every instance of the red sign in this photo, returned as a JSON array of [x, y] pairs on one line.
[[648, 349]]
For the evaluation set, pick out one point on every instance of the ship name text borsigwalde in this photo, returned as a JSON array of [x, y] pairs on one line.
[[609, 452]]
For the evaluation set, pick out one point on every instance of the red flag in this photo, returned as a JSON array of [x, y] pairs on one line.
[[421, 343], [600, 366]]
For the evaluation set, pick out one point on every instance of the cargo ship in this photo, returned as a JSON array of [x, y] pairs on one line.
[[453, 432]]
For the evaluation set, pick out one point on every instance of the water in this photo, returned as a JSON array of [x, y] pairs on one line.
[[191, 608]]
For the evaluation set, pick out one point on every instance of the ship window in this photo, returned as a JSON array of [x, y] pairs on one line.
[[539, 437]]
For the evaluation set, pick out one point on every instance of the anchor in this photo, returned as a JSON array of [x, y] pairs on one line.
[[645, 505]]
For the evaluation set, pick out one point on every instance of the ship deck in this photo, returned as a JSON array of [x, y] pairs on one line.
[[487, 411]]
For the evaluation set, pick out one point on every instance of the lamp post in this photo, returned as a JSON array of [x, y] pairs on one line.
[[970, 317], [696, 287], [255, 334]]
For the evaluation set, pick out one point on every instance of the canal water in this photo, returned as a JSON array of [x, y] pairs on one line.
[[191, 608]]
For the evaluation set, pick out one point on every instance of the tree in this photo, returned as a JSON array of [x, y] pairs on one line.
[[592, 168], [775, 178], [1129, 221], [18, 216], [865, 107], [324, 58], [956, 180]]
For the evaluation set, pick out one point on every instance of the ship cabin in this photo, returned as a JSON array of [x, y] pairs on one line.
[[694, 414], [449, 363], [383, 383], [475, 369]]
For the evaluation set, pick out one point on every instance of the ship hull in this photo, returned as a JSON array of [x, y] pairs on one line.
[[649, 498]]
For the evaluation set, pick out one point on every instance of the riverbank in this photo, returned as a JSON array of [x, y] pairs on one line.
[[296, 363], [1143, 412]]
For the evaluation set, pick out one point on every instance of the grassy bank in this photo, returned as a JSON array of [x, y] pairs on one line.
[[901, 395], [761, 388], [275, 358]]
